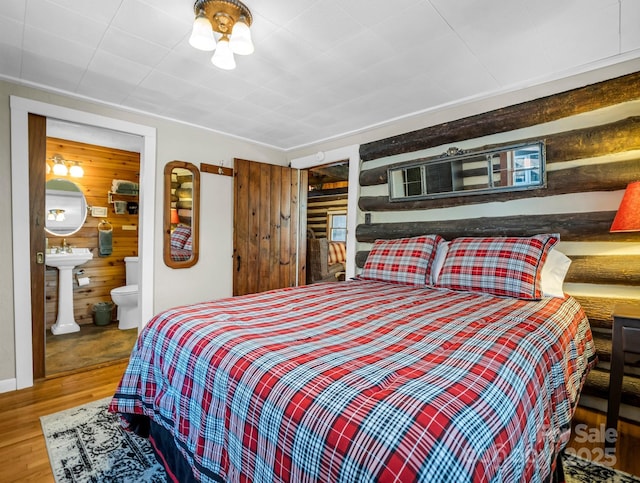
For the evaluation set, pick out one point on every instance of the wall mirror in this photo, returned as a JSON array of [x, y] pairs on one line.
[[181, 214], [66, 207], [457, 173]]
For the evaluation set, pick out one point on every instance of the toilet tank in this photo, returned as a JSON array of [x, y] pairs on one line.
[[131, 270]]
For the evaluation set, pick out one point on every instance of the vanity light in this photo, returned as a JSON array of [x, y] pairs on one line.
[[76, 170], [229, 18], [59, 168], [55, 215]]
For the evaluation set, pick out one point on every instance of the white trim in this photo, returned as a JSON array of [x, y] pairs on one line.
[[7, 385], [20, 109], [352, 153]]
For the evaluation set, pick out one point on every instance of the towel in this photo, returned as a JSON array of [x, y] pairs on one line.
[[124, 187], [105, 242]]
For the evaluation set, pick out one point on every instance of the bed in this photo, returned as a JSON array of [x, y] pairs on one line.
[[372, 379]]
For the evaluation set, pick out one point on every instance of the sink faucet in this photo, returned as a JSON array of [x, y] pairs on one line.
[[64, 246]]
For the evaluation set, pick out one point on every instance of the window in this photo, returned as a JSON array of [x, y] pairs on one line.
[[337, 225]]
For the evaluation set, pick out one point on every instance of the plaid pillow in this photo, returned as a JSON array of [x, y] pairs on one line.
[[179, 236], [506, 266], [406, 260]]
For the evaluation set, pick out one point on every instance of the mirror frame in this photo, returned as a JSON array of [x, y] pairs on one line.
[[83, 207], [455, 155], [195, 215]]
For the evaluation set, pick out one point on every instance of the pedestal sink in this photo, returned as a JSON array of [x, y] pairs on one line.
[[65, 262]]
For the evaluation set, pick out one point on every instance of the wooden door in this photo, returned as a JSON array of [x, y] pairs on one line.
[[267, 241], [37, 174]]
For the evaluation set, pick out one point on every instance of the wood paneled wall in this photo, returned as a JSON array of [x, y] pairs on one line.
[[592, 138], [101, 166], [317, 208]]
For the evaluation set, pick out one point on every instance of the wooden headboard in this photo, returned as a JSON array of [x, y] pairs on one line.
[[592, 140]]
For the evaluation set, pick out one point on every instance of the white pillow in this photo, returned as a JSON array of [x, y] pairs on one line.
[[554, 270], [438, 262]]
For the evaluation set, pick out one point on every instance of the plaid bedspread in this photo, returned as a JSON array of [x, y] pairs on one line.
[[363, 381]]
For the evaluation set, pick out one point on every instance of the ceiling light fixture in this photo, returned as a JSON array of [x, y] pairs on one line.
[[229, 18]]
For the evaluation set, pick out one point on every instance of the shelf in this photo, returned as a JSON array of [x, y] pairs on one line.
[[120, 197]]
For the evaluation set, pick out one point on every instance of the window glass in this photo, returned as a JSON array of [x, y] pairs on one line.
[[337, 226]]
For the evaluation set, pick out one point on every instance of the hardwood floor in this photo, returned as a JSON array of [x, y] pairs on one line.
[[22, 447], [588, 441], [24, 454]]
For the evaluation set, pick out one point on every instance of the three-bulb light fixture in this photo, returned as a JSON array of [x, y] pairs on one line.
[[60, 167], [231, 19]]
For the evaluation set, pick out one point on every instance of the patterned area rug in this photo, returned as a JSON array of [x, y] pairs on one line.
[[86, 444]]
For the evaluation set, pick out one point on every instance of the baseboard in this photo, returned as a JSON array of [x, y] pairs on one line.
[[7, 385]]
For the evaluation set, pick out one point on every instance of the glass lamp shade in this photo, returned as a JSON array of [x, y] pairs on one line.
[[202, 34], [60, 169], [223, 56], [241, 38], [76, 170], [628, 215]]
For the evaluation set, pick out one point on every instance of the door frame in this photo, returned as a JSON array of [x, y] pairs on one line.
[[20, 109], [352, 153]]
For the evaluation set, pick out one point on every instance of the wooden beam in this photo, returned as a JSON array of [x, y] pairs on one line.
[[526, 114], [591, 226], [593, 141]]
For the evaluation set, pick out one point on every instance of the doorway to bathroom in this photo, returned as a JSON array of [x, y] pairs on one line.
[[99, 169], [23, 252]]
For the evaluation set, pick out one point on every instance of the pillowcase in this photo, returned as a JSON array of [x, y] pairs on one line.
[[405, 260], [438, 261], [504, 266], [179, 236], [554, 271]]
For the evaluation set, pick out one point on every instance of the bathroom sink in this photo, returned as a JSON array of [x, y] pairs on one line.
[[65, 262], [77, 256]]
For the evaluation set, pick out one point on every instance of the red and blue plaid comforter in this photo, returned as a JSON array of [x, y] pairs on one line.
[[363, 382]]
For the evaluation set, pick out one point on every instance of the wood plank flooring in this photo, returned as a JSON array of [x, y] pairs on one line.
[[22, 448], [24, 454]]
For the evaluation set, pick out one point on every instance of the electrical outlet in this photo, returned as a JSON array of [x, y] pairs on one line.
[[367, 218]]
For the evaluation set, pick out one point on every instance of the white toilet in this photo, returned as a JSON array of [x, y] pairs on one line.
[[126, 298]]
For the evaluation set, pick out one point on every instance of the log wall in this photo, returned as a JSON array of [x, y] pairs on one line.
[[317, 209], [592, 140], [101, 165]]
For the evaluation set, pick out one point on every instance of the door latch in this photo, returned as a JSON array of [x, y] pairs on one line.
[[39, 258]]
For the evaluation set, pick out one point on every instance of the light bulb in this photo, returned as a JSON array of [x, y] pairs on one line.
[[76, 170], [223, 57], [59, 168], [241, 38], [202, 34]]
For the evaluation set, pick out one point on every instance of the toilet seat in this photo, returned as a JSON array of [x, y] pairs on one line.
[[125, 290]]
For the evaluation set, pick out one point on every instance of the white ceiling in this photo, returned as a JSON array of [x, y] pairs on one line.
[[322, 68]]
